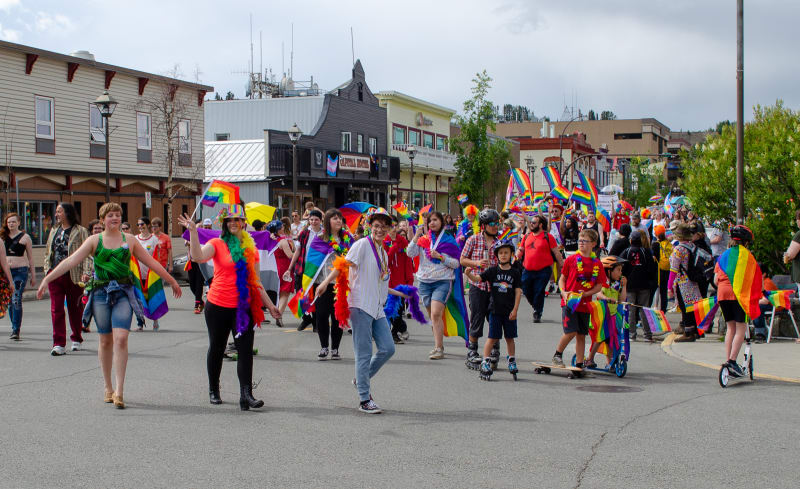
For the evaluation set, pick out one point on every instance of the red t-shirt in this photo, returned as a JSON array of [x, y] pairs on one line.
[[538, 249], [570, 273], [223, 291], [162, 250]]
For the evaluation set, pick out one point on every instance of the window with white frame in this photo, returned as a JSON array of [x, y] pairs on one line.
[[185, 137], [97, 126], [144, 132], [373, 146], [45, 124], [360, 143], [346, 145]]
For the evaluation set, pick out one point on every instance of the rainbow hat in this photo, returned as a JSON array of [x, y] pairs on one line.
[[231, 212]]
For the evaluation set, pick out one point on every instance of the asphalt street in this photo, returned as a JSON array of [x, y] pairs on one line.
[[666, 424]]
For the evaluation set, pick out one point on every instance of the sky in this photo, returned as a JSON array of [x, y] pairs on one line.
[[674, 60]]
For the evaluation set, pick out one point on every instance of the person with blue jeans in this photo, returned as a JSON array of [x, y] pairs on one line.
[[537, 252], [368, 281], [19, 253]]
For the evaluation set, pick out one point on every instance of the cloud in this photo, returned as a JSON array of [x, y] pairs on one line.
[[7, 4], [53, 23], [9, 34]]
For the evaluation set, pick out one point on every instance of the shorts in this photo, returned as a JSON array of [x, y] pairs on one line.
[[574, 322], [435, 291], [732, 311], [111, 310], [500, 326]]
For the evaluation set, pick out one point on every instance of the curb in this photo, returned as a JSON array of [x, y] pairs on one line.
[[666, 346]]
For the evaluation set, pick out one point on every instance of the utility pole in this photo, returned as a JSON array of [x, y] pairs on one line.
[[739, 111]]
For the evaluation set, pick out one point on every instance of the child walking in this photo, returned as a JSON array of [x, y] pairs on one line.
[[613, 293], [505, 284], [582, 272]]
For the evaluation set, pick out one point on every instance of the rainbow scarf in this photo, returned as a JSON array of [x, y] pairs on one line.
[[704, 312], [745, 276], [245, 256], [150, 292], [780, 298], [554, 180]]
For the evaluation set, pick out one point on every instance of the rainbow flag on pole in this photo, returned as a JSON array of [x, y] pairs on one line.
[[402, 210], [523, 183], [508, 234], [583, 197], [588, 185], [422, 211], [462, 199], [745, 276], [656, 319], [780, 298], [704, 312], [554, 180], [603, 218], [219, 192], [150, 292]]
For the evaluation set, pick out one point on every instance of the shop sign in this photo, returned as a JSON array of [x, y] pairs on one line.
[[353, 162]]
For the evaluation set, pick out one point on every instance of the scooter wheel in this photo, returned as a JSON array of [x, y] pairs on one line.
[[621, 368], [723, 376], [750, 366], [514, 375]]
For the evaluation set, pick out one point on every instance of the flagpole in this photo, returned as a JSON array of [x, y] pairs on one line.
[[200, 202]]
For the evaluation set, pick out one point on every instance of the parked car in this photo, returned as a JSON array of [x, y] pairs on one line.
[[178, 265]]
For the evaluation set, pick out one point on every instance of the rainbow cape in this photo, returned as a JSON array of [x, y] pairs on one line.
[[780, 298], [704, 312], [745, 276], [353, 214], [456, 318], [554, 180], [588, 185], [150, 292], [656, 319], [317, 251], [220, 192]]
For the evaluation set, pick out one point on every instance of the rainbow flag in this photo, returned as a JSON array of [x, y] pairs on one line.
[[220, 192], [402, 210], [509, 194], [538, 198], [299, 304], [704, 312], [317, 251], [422, 211], [462, 199], [353, 213], [149, 292], [522, 182], [588, 185], [455, 315], [604, 219], [780, 298], [655, 199], [668, 205], [554, 180], [574, 300], [745, 276], [508, 234], [656, 319], [582, 197]]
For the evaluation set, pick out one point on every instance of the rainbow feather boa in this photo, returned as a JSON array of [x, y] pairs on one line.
[[244, 256]]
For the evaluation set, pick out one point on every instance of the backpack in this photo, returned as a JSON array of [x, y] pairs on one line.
[[665, 251], [701, 264]]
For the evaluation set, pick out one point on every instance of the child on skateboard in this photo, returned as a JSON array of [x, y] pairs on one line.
[[613, 293], [506, 290], [582, 272]]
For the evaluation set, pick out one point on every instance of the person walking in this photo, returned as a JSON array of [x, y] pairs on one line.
[[163, 252], [64, 239], [401, 273], [19, 256], [234, 300], [150, 243], [283, 256], [679, 284], [268, 267], [112, 300], [537, 253], [640, 271], [662, 250]]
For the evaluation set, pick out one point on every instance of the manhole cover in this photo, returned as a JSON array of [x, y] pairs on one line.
[[611, 389]]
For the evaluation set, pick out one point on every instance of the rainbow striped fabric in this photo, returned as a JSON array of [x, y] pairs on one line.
[[745, 276], [655, 199], [582, 197], [462, 199], [704, 312], [332, 166], [353, 214], [455, 316], [150, 292], [656, 320], [317, 251], [557, 190], [523, 183], [668, 205], [508, 234], [574, 300], [402, 210], [423, 211], [780, 298], [588, 185], [299, 304], [603, 218], [220, 192], [602, 327], [509, 194]]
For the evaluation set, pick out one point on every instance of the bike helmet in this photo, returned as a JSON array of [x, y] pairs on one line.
[[504, 244], [274, 226], [741, 234], [611, 261], [488, 215]]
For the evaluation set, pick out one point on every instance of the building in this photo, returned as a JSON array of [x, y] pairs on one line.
[[424, 126], [52, 139], [535, 153], [344, 130], [240, 162]]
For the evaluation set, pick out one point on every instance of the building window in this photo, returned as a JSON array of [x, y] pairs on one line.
[[360, 143], [399, 135], [440, 143], [39, 218], [427, 140], [628, 135], [222, 137], [360, 92], [413, 137], [144, 138], [97, 133], [45, 125], [346, 141], [184, 142], [373, 146]]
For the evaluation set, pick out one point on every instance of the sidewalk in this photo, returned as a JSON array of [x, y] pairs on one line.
[[778, 360]]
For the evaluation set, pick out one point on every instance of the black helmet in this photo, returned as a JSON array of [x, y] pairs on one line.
[[488, 215], [504, 244], [742, 234]]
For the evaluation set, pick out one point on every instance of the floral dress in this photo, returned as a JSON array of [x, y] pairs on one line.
[[679, 263]]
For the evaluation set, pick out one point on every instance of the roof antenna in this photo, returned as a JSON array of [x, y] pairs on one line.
[[352, 46], [291, 55]]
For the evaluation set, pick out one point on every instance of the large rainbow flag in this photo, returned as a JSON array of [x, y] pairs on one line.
[[523, 184], [317, 251], [583, 197], [220, 192], [588, 185], [554, 180], [456, 318], [603, 326], [745, 276], [150, 292]]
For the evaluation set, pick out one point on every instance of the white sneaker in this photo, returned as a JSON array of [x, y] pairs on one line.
[[76, 346], [57, 351]]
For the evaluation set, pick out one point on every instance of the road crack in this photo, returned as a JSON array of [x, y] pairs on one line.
[[589, 460]]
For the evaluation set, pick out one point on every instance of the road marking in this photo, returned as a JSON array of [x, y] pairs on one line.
[[666, 345]]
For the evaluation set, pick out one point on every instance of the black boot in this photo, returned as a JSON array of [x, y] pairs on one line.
[[247, 401], [213, 395]]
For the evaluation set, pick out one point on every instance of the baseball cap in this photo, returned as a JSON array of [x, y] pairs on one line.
[[207, 221]]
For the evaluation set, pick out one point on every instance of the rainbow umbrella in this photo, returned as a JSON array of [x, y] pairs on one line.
[[353, 213]]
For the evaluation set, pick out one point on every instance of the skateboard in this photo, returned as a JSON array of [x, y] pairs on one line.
[[573, 372], [618, 367]]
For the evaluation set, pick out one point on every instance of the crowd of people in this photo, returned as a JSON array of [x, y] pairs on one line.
[[662, 261]]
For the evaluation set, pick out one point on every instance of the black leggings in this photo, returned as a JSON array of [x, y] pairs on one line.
[[324, 310], [196, 282], [221, 322]]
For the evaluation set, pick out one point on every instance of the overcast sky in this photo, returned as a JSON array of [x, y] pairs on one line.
[[674, 60]]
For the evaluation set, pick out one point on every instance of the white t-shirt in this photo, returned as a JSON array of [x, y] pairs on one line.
[[367, 291], [150, 245], [718, 248]]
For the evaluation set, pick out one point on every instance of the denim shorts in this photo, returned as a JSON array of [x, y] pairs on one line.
[[435, 291], [500, 326], [111, 309]]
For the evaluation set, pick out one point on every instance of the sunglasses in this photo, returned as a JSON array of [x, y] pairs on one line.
[[493, 223]]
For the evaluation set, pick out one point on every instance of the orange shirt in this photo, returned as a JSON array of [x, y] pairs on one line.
[[162, 250], [724, 289], [223, 291]]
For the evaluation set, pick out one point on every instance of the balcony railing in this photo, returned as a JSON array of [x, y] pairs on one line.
[[428, 158]]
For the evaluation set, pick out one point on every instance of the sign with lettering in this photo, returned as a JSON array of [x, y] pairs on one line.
[[353, 162], [422, 120]]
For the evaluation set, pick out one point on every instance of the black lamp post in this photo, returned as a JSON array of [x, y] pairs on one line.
[[294, 137], [106, 104], [412, 152]]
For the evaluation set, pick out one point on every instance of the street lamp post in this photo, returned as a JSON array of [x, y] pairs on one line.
[[531, 168], [412, 152], [106, 104], [294, 137], [560, 139]]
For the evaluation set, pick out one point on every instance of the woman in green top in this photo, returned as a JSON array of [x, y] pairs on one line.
[[112, 296]]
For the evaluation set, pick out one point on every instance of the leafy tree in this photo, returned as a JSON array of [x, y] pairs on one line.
[[607, 115], [722, 124], [592, 115], [772, 178], [230, 96], [217, 96], [480, 161], [642, 181]]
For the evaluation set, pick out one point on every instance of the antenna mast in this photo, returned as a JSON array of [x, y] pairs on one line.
[[291, 55], [352, 46]]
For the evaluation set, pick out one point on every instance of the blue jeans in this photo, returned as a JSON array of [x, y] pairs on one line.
[[111, 308], [20, 276], [533, 284], [365, 329]]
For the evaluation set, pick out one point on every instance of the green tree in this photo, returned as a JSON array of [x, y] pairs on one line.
[[592, 115], [642, 181], [481, 161], [722, 124], [230, 96], [772, 178], [217, 96], [607, 115]]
